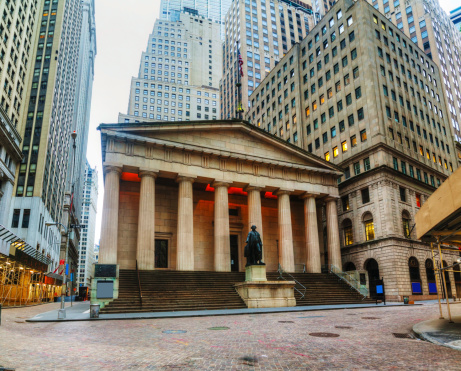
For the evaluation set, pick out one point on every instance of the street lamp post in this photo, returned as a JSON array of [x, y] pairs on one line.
[[62, 311]]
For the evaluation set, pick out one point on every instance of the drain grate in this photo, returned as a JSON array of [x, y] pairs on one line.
[[174, 331], [343, 327], [219, 328], [286, 322], [403, 336], [370, 318], [324, 334]]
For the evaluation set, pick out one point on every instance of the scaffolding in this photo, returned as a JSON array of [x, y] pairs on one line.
[[20, 285]]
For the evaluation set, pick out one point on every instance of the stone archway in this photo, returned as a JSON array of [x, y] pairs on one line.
[[372, 267]]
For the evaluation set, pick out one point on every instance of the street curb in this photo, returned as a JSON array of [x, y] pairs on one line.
[[424, 336], [231, 312]]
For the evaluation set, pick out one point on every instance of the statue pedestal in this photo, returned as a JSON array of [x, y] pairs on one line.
[[255, 273], [258, 292]]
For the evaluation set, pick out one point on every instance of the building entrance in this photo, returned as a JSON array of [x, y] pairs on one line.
[[373, 275], [234, 252]]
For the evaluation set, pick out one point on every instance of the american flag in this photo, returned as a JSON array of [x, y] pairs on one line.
[[240, 64]]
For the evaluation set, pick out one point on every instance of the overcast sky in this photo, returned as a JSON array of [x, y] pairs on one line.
[[122, 31]]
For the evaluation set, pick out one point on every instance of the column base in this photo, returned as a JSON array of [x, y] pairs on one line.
[[255, 273], [267, 294]]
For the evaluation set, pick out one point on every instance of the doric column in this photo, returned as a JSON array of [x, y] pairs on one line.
[[254, 211], [109, 227], [286, 254], [334, 250], [319, 210], [145, 252], [313, 264], [222, 261], [185, 245]]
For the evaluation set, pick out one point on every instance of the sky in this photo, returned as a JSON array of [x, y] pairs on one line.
[[122, 31]]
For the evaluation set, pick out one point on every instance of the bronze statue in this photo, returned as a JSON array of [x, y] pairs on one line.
[[254, 248]]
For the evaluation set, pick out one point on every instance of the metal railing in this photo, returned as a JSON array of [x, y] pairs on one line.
[[349, 279], [281, 271], [139, 283]]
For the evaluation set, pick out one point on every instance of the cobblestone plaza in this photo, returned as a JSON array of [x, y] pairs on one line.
[[281, 341]]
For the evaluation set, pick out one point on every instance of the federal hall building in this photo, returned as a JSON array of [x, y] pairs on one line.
[[183, 195]]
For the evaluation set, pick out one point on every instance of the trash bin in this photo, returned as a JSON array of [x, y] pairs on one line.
[[406, 299], [94, 310]]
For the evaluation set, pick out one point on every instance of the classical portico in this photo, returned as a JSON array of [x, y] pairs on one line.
[[182, 196]]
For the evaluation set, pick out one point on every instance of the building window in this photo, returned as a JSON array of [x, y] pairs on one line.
[[415, 277], [403, 196], [25, 218], [363, 135], [347, 230], [344, 146], [406, 224], [369, 226], [365, 195], [357, 168], [418, 200], [366, 164], [345, 203], [15, 222]]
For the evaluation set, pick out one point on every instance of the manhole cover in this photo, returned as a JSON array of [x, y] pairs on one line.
[[370, 317], [219, 328], [343, 327], [324, 334], [286, 322], [174, 331], [402, 336]]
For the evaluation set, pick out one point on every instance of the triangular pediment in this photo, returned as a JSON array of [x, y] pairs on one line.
[[229, 136]]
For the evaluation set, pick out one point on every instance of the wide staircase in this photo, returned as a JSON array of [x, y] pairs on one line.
[[168, 291], [322, 289]]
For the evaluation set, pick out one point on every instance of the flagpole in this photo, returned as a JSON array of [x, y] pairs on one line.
[[239, 86]]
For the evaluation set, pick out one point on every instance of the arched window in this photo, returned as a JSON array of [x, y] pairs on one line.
[[406, 223], [415, 277], [349, 267], [430, 274], [347, 230], [369, 226]]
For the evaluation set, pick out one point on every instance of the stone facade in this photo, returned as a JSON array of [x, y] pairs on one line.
[[359, 93], [211, 182]]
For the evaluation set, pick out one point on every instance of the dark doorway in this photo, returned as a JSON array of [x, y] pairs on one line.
[[161, 253], [373, 275], [234, 252], [457, 279]]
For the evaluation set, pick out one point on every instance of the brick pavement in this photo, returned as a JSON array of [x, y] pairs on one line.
[[252, 342]]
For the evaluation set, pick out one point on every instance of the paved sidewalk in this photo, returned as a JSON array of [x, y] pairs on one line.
[[441, 331], [81, 312]]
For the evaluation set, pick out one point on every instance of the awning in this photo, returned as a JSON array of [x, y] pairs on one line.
[[17, 244]]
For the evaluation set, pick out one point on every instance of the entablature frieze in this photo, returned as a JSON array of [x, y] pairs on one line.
[[225, 161]]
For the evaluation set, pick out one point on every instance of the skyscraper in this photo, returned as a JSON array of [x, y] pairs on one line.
[[359, 93], [17, 30], [54, 108], [88, 218], [179, 72], [215, 10], [455, 16], [262, 32], [431, 29]]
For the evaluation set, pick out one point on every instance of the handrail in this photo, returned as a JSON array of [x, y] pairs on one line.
[[139, 283], [281, 271], [349, 279]]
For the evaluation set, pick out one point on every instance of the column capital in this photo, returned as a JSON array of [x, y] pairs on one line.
[[309, 195], [281, 191], [332, 198], [251, 187], [185, 178], [148, 173], [112, 168], [221, 183]]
